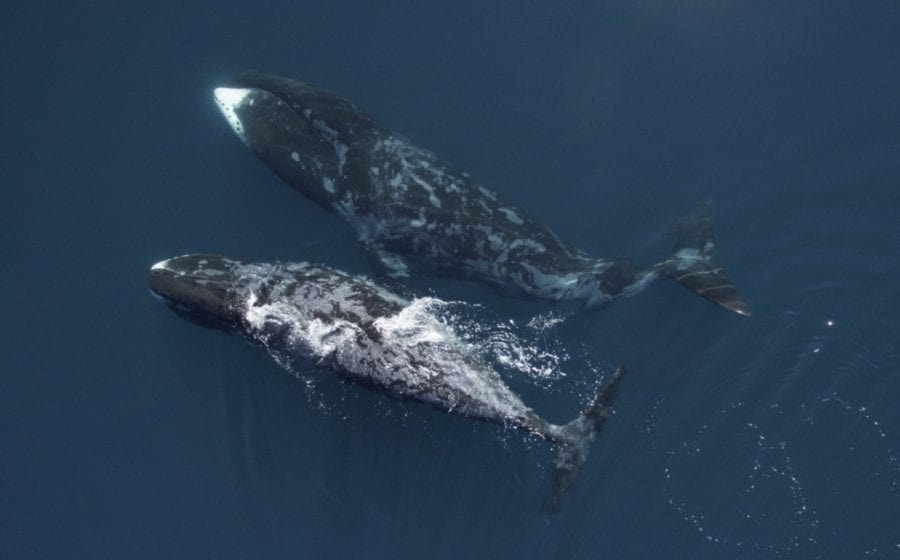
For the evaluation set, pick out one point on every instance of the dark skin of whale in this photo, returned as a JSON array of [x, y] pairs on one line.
[[359, 330], [414, 212]]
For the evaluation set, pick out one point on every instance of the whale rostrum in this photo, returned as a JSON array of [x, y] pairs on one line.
[[412, 211], [312, 314]]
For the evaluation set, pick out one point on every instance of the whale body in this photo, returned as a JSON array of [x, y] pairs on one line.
[[414, 212], [307, 313]]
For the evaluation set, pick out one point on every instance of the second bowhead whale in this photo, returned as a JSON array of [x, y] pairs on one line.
[[414, 212], [309, 313]]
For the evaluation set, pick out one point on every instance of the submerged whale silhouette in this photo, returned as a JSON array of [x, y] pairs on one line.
[[414, 212], [366, 334]]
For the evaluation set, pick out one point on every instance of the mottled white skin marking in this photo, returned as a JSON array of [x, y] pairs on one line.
[[228, 99], [440, 220], [415, 212], [161, 265], [330, 134], [512, 216], [412, 210], [310, 313]]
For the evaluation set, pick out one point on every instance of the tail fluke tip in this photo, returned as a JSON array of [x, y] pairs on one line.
[[577, 435], [691, 263]]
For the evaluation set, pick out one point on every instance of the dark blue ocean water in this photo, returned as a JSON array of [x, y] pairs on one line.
[[126, 432]]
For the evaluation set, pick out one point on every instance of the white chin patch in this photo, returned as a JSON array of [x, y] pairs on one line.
[[229, 100], [161, 265]]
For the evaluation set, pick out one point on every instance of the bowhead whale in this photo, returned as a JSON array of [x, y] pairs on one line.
[[414, 212], [366, 334]]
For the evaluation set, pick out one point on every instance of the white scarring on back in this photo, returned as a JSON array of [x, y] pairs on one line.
[[412, 353]]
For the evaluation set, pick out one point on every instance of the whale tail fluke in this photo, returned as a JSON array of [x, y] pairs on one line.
[[691, 263], [574, 439]]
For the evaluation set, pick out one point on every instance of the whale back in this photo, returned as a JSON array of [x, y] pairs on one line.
[[305, 313]]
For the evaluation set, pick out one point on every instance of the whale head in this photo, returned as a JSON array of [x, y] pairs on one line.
[[199, 288], [308, 136]]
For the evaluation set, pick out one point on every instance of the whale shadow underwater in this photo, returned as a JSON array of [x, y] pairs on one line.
[[413, 212], [311, 314]]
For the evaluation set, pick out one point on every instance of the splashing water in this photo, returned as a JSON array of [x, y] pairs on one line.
[[531, 351], [422, 341]]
